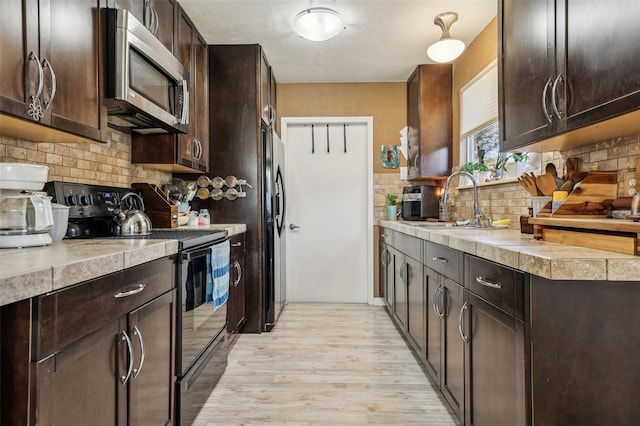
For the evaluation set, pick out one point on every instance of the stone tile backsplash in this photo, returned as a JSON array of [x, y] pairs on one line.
[[92, 163], [110, 164], [510, 201]]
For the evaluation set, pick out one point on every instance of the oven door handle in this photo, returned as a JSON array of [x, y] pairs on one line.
[[188, 256]]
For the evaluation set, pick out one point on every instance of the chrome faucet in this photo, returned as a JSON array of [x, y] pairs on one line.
[[477, 214]]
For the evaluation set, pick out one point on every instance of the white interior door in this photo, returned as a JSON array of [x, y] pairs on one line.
[[330, 201]]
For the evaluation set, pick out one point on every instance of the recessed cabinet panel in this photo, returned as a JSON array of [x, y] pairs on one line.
[[430, 121], [600, 67], [525, 73], [53, 76], [558, 74]]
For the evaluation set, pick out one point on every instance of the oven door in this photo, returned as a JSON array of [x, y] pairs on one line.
[[198, 324]]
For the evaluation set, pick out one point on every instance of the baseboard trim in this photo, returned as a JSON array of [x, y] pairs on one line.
[[378, 301]]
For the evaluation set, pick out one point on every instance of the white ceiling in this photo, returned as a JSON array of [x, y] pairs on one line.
[[384, 40]]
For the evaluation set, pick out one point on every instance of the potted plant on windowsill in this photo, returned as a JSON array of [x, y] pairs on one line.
[[393, 206], [519, 164], [479, 171]]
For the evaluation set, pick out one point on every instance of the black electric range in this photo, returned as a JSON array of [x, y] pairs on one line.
[[187, 238]]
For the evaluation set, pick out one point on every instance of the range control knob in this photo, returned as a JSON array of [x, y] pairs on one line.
[[86, 200], [72, 200]]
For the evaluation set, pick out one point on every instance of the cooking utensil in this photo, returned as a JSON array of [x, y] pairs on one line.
[[192, 188], [531, 189], [546, 183]]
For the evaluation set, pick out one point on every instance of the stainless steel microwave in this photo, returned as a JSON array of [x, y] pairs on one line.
[[146, 86]]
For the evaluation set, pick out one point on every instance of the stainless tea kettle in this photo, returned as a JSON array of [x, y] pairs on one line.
[[133, 220]]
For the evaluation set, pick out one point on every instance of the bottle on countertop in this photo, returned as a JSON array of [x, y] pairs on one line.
[[203, 217]]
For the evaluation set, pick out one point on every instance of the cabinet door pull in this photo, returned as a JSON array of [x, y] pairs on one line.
[[548, 116], [554, 98], [237, 244], [236, 265], [136, 290], [54, 83], [440, 312], [156, 20], [125, 338], [436, 302], [138, 334], [440, 259], [404, 273], [184, 103], [488, 283], [460, 317], [35, 109], [385, 257]]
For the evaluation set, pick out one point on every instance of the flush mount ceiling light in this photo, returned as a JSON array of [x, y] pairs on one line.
[[446, 49], [318, 24]]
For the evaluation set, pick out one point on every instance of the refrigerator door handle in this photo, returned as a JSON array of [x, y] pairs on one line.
[[280, 214]]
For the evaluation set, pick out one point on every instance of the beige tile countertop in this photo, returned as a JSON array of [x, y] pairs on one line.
[[32, 271], [521, 251]]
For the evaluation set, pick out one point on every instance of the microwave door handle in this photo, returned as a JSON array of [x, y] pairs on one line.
[[184, 119]]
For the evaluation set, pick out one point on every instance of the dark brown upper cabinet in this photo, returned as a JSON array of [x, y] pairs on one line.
[[267, 92], [564, 66], [183, 153], [429, 121], [157, 15], [50, 74]]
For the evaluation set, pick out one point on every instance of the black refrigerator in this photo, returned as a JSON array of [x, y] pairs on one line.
[[274, 289]]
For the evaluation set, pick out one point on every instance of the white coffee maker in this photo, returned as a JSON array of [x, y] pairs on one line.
[[26, 215]]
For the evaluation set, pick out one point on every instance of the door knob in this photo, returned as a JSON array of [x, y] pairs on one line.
[[293, 227]]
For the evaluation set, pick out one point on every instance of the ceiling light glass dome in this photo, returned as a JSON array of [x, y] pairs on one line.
[[318, 24]]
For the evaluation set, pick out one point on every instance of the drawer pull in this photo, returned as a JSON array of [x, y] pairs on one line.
[[136, 290], [488, 283], [125, 338], [238, 244], [439, 259]]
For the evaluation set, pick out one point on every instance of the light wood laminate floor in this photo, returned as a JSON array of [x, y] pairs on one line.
[[325, 365]]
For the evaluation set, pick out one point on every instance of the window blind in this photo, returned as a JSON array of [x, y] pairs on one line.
[[479, 101]]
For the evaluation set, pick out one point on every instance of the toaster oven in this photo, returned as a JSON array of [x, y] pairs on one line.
[[420, 202]]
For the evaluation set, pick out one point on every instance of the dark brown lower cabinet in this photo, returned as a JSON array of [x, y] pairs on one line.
[[452, 375], [585, 352], [103, 352], [434, 349], [400, 290], [80, 385], [495, 365], [236, 304], [415, 305]]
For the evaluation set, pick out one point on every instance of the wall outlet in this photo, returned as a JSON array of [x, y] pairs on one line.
[[631, 192], [632, 182]]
